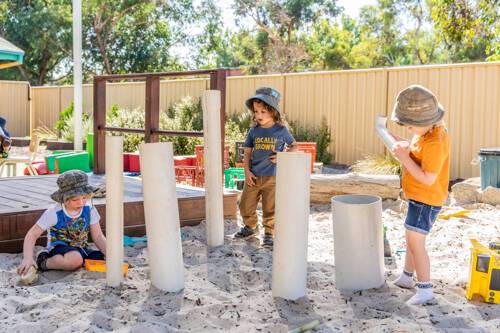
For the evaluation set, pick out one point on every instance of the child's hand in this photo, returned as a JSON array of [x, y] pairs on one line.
[[401, 150], [25, 266], [249, 178], [397, 137], [272, 157]]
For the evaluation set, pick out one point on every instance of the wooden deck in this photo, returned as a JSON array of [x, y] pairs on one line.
[[24, 199]]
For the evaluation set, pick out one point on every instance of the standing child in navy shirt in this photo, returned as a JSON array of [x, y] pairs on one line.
[[268, 136]]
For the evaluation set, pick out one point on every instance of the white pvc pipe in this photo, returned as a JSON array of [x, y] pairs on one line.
[[358, 242], [161, 212], [292, 222], [77, 73], [383, 133], [114, 210], [214, 209]]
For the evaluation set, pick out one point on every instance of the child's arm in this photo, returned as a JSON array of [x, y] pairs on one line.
[[293, 147], [28, 246], [98, 237], [247, 159], [402, 152]]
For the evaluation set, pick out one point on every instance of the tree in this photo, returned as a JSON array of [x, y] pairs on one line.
[[280, 24], [43, 29], [135, 35]]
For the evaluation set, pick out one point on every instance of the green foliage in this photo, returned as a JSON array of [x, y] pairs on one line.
[[378, 165], [321, 135], [65, 124]]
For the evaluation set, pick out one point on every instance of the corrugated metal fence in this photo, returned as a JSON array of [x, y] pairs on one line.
[[348, 100]]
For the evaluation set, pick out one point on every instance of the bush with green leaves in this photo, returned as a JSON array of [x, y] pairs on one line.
[[378, 165], [65, 125], [186, 115], [321, 135]]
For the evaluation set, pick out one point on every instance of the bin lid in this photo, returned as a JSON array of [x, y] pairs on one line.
[[490, 151]]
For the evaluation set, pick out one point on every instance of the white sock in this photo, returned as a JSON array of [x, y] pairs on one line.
[[405, 280], [423, 295]]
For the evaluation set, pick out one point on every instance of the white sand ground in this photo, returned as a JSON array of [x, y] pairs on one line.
[[228, 289]]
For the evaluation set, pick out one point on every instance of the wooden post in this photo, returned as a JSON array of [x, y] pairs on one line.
[[218, 82], [99, 125], [152, 120]]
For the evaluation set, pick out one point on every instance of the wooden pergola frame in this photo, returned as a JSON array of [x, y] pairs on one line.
[[152, 120]]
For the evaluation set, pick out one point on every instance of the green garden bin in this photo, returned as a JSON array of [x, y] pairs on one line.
[[50, 159], [231, 174], [90, 149], [489, 159]]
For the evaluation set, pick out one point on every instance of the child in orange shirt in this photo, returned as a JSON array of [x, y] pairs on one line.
[[425, 180]]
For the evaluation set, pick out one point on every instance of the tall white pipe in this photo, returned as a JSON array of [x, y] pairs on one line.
[[114, 210], [292, 223], [214, 209], [77, 73], [383, 133], [358, 242], [161, 212]]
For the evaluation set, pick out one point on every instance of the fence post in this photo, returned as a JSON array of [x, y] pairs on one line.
[[152, 117], [99, 125], [218, 82]]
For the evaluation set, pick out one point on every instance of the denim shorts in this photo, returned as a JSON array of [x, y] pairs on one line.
[[85, 253], [421, 217]]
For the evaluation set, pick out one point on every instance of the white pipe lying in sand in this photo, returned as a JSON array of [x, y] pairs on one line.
[[292, 223], [358, 242], [161, 212], [114, 210], [214, 210], [383, 133]]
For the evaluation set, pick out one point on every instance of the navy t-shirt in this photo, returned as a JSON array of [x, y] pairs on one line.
[[262, 140]]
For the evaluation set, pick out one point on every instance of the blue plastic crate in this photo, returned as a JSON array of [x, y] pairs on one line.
[[490, 167]]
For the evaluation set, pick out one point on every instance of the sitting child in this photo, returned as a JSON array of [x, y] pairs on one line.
[[68, 223]]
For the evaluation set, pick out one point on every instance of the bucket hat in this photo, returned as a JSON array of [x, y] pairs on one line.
[[71, 184], [267, 95], [417, 106]]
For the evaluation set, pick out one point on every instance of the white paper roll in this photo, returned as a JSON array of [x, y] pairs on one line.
[[292, 224], [214, 209], [114, 210], [161, 212], [358, 242]]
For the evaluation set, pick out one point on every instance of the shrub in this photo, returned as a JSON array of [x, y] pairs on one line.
[[378, 165], [322, 137], [65, 124]]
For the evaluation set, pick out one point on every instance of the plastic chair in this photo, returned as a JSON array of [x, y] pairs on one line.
[[12, 161]]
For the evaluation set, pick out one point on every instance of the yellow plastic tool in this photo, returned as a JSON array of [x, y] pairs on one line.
[[484, 273], [100, 266], [461, 213]]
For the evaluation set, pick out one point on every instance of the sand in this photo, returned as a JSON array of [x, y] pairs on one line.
[[228, 289]]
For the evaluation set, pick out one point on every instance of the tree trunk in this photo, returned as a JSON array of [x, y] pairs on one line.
[[324, 187]]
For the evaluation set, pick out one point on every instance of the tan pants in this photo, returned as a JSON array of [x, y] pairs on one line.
[[264, 187]]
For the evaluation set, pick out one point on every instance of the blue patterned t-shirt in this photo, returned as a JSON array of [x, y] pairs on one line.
[[63, 229]]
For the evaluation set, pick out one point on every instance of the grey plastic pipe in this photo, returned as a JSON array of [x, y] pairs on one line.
[[358, 242]]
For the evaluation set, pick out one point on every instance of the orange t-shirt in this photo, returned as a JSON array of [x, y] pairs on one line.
[[432, 152]]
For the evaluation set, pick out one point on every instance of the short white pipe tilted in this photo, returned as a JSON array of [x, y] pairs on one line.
[[161, 212]]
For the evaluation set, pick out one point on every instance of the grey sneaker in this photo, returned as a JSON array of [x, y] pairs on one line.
[[244, 232], [41, 260], [268, 240]]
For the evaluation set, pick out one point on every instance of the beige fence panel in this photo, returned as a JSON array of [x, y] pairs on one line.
[[14, 107], [349, 100], [470, 95], [46, 105], [240, 88]]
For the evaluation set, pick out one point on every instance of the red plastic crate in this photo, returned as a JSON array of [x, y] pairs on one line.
[[308, 147], [126, 162], [134, 162]]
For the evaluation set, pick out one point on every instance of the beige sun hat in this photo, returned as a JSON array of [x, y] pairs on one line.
[[417, 106]]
